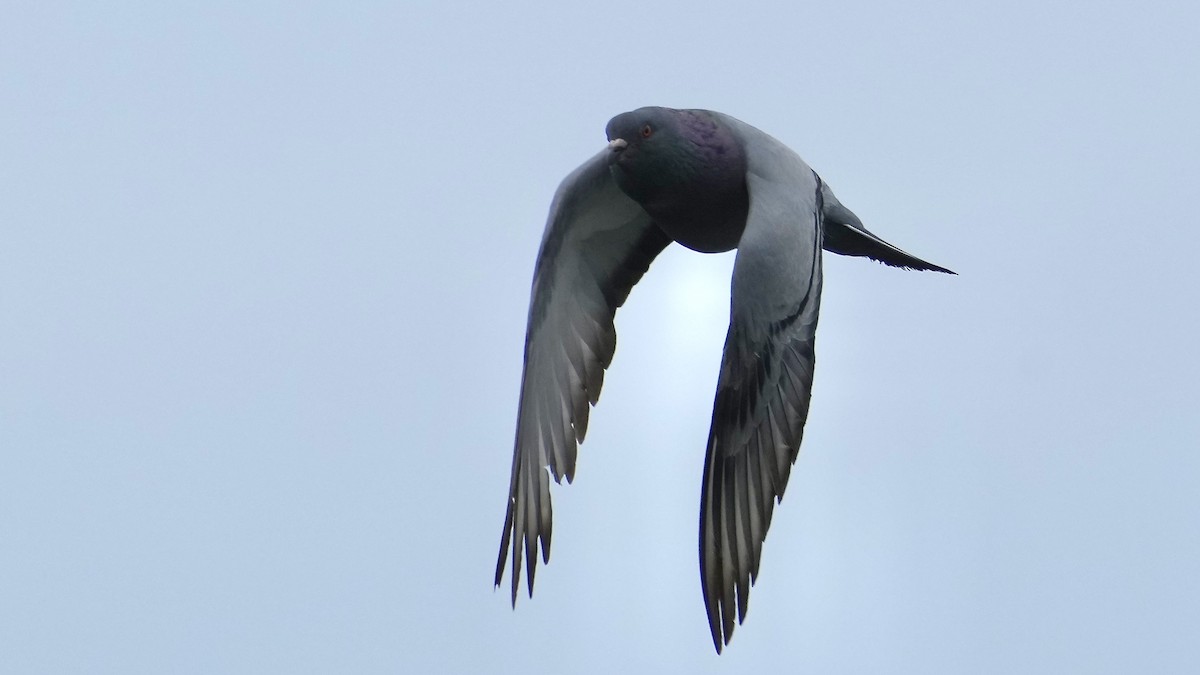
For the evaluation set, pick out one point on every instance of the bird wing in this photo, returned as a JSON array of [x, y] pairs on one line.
[[598, 243], [766, 373], [845, 235]]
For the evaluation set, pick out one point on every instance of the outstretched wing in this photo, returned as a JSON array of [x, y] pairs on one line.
[[766, 374], [845, 235], [598, 243]]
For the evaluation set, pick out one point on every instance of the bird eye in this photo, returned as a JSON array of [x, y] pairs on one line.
[[646, 131]]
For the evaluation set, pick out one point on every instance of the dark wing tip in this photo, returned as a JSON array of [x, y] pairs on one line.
[[505, 536], [923, 267]]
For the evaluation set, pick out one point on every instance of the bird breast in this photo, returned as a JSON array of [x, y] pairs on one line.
[[707, 222]]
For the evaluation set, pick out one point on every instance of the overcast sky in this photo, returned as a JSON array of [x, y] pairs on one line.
[[264, 274]]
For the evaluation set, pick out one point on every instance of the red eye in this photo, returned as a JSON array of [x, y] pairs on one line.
[[646, 131]]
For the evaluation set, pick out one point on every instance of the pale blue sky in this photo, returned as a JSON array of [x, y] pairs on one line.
[[264, 271]]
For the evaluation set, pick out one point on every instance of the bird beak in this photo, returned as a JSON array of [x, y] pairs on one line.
[[617, 144]]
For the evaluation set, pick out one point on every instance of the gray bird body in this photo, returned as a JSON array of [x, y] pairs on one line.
[[711, 183]]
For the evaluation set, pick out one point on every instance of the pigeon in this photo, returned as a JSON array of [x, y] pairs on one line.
[[711, 183]]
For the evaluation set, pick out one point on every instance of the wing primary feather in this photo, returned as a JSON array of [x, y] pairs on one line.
[[744, 534], [518, 541], [531, 514], [504, 539], [754, 499], [728, 551], [546, 527], [564, 438]]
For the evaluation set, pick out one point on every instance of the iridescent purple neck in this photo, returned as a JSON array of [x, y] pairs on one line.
[[705, 210]]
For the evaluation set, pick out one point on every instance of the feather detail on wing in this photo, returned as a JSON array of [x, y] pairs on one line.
[[764, 387], [598, 243]]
